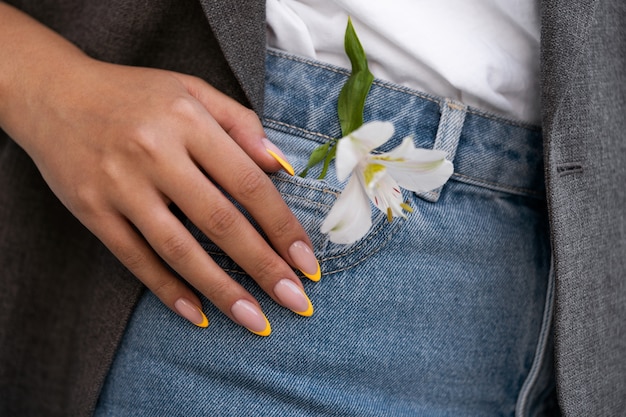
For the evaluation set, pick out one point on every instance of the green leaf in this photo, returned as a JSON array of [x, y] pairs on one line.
[[329, 157], [317, 156], [351, 102], [352, 97]]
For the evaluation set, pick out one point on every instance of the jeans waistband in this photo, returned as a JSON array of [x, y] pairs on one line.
[[486, 149]]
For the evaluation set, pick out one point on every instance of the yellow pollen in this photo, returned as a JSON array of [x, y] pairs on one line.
[[389, 215], [406, 207]]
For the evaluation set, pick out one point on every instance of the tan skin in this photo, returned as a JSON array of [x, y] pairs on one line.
[[117, 144]]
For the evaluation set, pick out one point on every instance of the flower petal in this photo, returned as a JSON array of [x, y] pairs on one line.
[[357, 145], [384, 192], [373, 134], [347, 157], [416, 169], [350, 217], [407, 150]]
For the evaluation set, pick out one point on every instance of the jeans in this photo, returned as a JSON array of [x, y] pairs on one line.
[[444, 313]]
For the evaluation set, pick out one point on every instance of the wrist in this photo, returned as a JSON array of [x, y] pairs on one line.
[[33, 59]]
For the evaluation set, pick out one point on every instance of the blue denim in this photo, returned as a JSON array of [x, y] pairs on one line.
[[444, 313]]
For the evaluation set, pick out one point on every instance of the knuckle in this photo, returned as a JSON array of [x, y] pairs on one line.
[[176, 248], [133, 260], [183, 108], [85, 202], [217, 288], [266, 267], [113, 171], [283, 226], [164, 288], [143, 141], [243, 119], [248, 116], [253, 184], [222, 221]]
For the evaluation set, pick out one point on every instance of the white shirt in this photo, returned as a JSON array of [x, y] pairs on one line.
[[484, 53]]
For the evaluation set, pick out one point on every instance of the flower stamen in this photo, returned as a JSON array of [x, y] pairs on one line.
[[406, 207]]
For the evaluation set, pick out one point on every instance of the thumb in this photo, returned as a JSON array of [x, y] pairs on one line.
[[241, 123]]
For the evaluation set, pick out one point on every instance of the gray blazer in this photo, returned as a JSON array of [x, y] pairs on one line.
[[65, 301]]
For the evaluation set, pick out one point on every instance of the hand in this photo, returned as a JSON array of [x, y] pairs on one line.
[[118, 144]]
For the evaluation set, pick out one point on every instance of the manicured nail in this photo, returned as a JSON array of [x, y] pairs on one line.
[[278, 156], [191, 312], [250, 317], [305, 260], [293, 297]]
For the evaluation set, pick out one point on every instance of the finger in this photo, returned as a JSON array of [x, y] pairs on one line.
[[253, 189], [226, 226], [132, 250], [178, 248], [241, 124]]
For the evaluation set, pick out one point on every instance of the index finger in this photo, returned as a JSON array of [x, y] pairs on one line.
[[254, 190]]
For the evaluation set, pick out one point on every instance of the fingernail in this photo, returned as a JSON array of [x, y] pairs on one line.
[[250, 317], [191, 312], [305, 260], [278, 156], [293, 297]]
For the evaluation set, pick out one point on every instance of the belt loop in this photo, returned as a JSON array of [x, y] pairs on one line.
[[448, 135]]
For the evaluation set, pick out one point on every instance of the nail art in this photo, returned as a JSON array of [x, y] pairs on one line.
[[250, 317], [293, 297], [305, 260], [278, 156], [191, 312]]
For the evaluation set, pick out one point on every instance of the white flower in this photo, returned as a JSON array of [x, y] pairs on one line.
[[378, 178]]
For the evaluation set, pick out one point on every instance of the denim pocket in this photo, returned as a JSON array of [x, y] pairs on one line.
[[310, 200]]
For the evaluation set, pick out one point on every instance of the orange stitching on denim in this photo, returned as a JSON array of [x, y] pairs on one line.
[[300, 129], [455, 106], [370, 237], [341, 71], [407, 90], [326, 190], [362, 259], [376, 248]]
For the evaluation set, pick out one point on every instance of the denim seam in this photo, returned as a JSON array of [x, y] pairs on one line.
[[383, 84], [467, 179], [522, 406], [363, 243], [471, 110], [287, 128], [365, 256], [326, 190], [306, 199], [341, 255], [342, 71], [299, 129], [407, 90], [451, 122]]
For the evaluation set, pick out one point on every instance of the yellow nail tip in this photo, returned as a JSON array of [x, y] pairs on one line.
[[204, 322], [266, 331], [286, 165], [308, 312], [314, 277]]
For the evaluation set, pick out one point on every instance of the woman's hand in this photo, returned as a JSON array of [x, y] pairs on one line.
[[118, 144]]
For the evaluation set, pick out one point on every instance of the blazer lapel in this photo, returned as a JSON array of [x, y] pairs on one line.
[[565, 25], [583, 92], [239, 26]]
